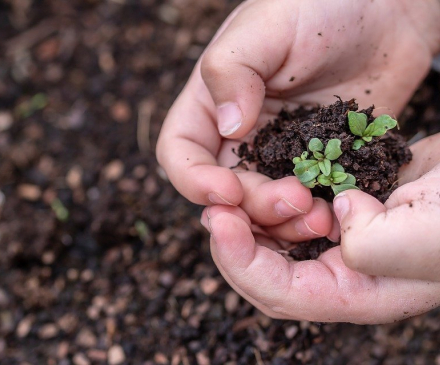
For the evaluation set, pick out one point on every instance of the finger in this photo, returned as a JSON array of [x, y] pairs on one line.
[[236, 65], [187, 149], [323, 290], [402, 241], [269, 202], [318, 222], [259, 234], [425, 158]]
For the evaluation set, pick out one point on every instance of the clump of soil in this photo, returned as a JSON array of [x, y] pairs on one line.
[[375, 165]]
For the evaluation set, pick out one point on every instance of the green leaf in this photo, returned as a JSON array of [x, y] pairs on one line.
[[304, 155], [306, 170], [351, 180], [337, 168], [315, 145], [338, 177], [367, 138], [325, 166], [296, 160], [358, 143], [357, 123], [384, 122], [340, 188], [333, 149], [310, 184], [318, 155], [380, 126], [324, 180]]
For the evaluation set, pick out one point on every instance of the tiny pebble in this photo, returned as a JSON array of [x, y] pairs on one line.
[[24, 326], [48, 331], [209, 285], [29, 192], [80, 359], [116, 355], [6, 120], [114, 170]]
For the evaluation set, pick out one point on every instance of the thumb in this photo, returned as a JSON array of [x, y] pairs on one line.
[[399, 241], [239, 61]]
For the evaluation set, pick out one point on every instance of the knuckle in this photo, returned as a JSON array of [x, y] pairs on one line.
[[212, 63]]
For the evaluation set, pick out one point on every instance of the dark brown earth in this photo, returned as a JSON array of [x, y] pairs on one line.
[[375, 166], [127, 277]]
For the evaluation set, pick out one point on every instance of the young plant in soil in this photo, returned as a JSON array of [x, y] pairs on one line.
[[330, 149]]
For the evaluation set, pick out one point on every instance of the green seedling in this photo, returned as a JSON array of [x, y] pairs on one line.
[[318, 169], [338, 179], [142, 229], [320, 162], [27, 108], [60, 210], [358, 126]]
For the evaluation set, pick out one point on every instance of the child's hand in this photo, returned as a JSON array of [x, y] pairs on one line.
[[273, 54], [281, 53], [402, 237], [322, 290]]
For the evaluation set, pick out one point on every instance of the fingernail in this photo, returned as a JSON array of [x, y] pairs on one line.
[[286, 209], [341, 206], [218, 199], [229, 117], [304, 229]]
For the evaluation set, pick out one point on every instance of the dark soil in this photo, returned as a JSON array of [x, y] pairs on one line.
[[128, 278], [375, 165]]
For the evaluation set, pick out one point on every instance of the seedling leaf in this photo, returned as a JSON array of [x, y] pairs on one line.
[[315, 145], [340, 188], [318, 155], [296, 160], [350, 180], [338, 177], [325, 167], [304, 155], [357, 123], [385, 121], [333, 149], [306, 170], [358, 143], [367, 138], [324, 180], [310, 184], [337, 168]]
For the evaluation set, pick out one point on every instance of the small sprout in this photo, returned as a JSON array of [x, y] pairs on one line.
[[27, 108], [358, 126], [60, 210], [318, 170], [141, 229], [306, 170], [358, 143]]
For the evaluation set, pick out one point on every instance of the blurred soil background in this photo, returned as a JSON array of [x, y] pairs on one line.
[[101, 260]]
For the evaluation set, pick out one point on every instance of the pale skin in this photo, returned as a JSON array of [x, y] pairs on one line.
[[386, 267]]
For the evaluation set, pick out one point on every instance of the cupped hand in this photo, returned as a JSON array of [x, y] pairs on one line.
[[273, 54], [400, 238], [323, 290]]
